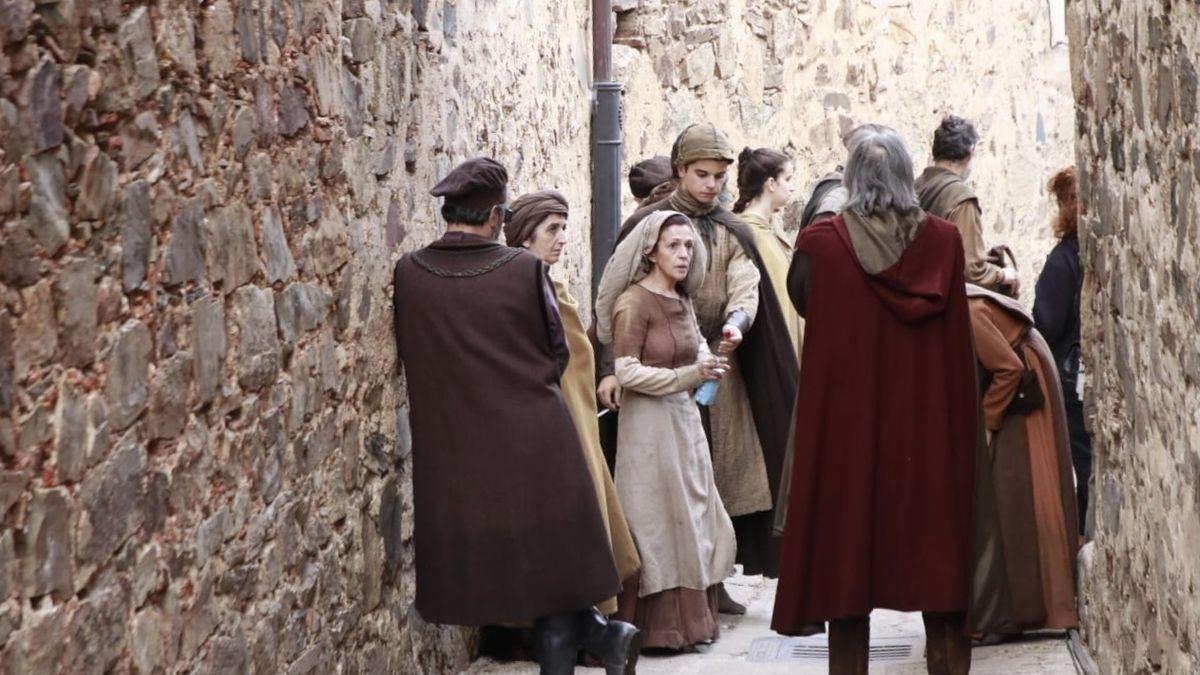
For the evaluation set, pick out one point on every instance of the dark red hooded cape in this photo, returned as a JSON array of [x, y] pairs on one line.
[[880, 505]]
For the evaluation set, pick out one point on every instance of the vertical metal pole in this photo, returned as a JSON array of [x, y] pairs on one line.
[[606, 175], [606, 142]]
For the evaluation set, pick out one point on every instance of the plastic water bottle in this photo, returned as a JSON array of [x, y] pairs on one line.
[[707, 393]]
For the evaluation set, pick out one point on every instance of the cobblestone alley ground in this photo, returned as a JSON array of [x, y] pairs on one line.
[[748, 646]]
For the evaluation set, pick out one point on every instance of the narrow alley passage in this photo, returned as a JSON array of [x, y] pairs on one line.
[[747, 645]]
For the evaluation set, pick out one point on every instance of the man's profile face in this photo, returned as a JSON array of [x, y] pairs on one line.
[[703, 179]]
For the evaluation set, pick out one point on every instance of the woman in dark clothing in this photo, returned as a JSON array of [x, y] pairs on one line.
[[1056, 314]]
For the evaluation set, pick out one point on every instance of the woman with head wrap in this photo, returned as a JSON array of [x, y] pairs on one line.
[[664, 471], [538, 222]]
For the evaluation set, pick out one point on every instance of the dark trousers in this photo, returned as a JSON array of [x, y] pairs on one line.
[[947, 645], [1081, 456]]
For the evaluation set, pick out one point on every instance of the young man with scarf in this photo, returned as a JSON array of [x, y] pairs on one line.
[[740, 315], [507, 527]]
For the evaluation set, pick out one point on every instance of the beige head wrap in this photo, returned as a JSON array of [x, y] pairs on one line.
[[528, 211], [629, 264]]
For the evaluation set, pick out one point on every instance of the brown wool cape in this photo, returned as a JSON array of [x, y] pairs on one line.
[[767, 357], [1025, 525], [507, 525]]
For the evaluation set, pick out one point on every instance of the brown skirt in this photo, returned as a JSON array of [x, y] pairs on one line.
[[676, 618]]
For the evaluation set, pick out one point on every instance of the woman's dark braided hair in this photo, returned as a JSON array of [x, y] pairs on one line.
[[755, 167]]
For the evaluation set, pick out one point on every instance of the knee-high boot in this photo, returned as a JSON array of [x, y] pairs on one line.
[[849, 646], [557, 641]]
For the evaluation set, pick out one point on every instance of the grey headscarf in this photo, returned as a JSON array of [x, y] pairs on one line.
[[629, 264]]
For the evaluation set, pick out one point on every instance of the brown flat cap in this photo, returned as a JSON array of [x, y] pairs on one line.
[[478, 183], [701, 141], [649, 174]]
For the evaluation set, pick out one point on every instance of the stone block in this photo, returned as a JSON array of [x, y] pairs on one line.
[[98, 188], [199, 620], [293, 111], [299, 308], [137, 234], [187, 144], [257, 347], [7, 385], [70, 432], [1189, 98], [147, 577], [363, 42], [8, 580], [148, 639], [276, 254], [12, 485], [170, 397], [44, 106], [46, 562], [279, 26], [391, 528], [14, 21], [261, 170], [211, 535], [127, 387], [35, 334], [177, 35], [231, 251], [352, 103], [140, 140], [266, 121], [230, 654], [136, 40], [243, 132], [184, 256], [10, 190], [248, 28], [98, 439], [19, 262], [209, 342], [97, 631], [48, 201], [37, 647], [325, 247], [111, 501], [77, 298], [219, 52]]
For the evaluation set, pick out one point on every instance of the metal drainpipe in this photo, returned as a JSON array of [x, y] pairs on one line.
[[606, 142]]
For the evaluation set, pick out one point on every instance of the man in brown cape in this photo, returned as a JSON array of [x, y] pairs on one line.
[[738, 311], [944, 192], [507, 525]]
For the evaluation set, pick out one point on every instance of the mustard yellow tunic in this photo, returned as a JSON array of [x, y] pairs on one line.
[[775, 247], [579, 390]]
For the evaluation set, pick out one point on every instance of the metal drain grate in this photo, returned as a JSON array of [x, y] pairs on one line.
[[816, 648]]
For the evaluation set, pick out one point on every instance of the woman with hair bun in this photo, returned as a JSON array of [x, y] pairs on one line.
[[764, 183]]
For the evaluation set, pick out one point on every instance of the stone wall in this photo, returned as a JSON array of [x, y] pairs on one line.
[[203, 448], [1135, 83], [794, 74], [204, 456]]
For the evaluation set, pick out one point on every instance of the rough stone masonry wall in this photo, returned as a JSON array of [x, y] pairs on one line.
[[203, 450], [1135, 83], [794, 74]]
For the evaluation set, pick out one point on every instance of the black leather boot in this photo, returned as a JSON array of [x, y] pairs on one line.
[[556, 638], [616, 643]]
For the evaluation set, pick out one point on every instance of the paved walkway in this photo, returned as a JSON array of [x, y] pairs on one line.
[[747, 646]]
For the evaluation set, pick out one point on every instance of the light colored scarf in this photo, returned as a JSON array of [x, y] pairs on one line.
[[629, 264]]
